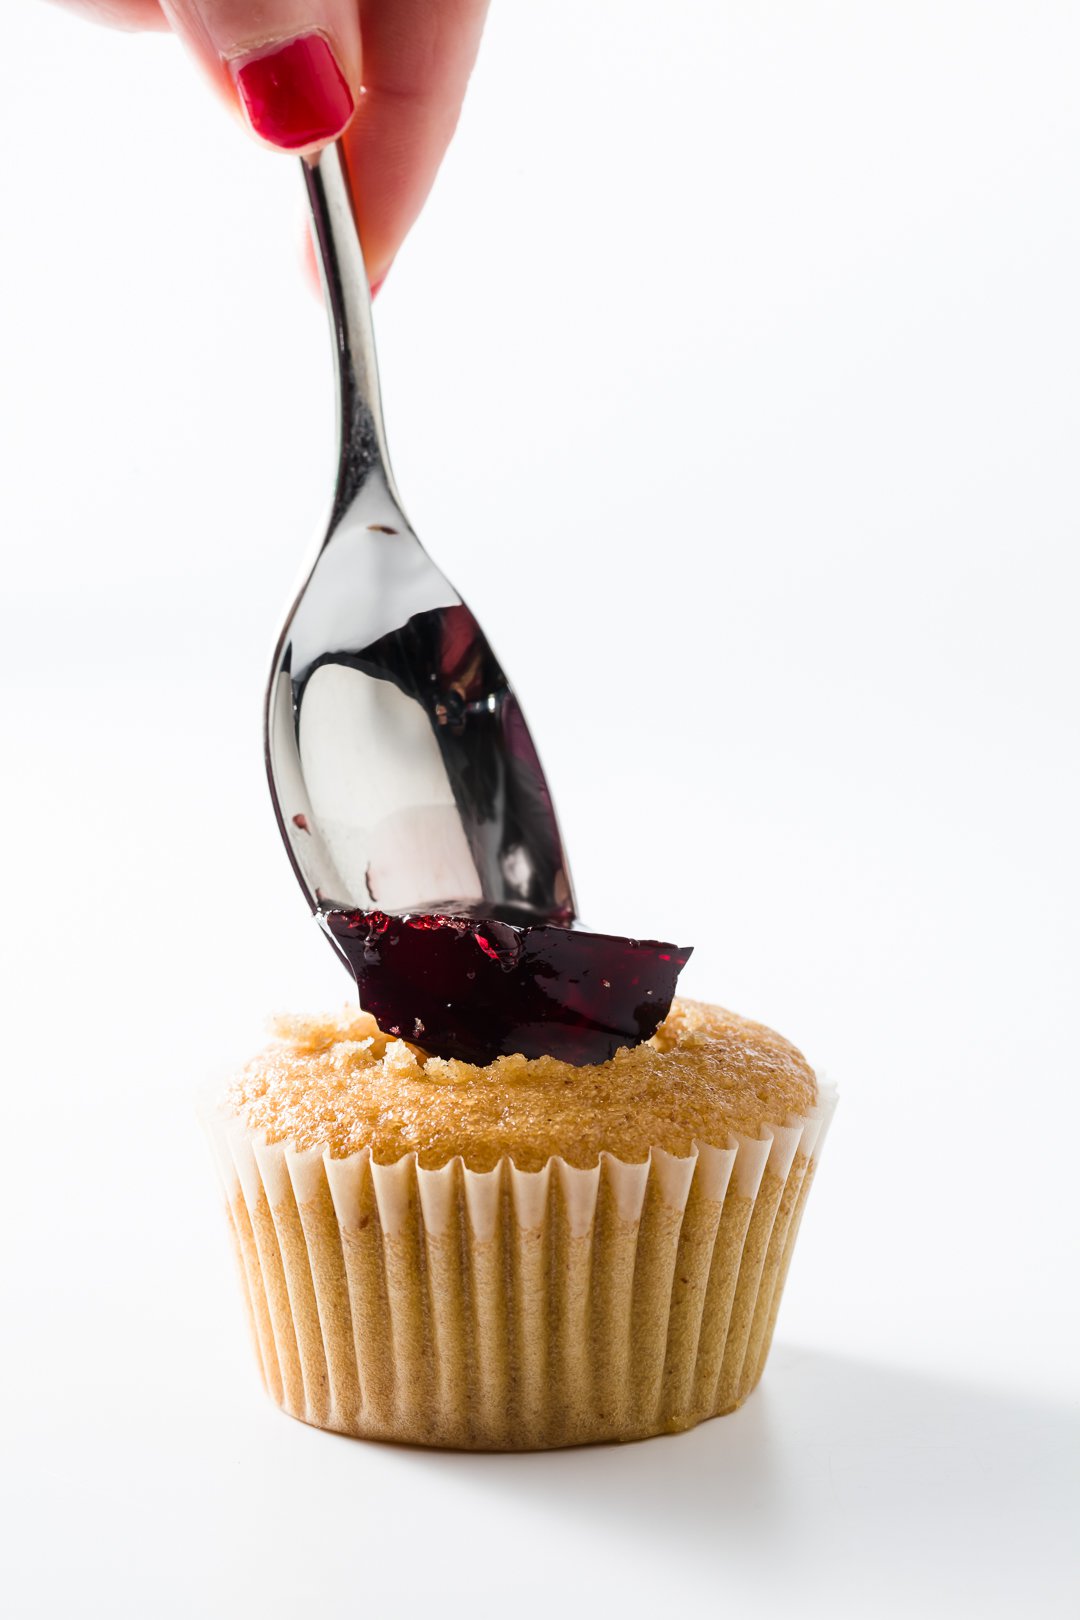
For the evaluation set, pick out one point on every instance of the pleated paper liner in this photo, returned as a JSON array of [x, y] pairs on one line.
[[510, 1309]]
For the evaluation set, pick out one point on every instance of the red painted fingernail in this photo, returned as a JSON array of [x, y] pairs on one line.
[[294, 94]]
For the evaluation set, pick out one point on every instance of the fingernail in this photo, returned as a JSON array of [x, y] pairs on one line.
[[294, 94]]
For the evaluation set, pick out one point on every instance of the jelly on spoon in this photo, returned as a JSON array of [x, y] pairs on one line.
[[474, 988]]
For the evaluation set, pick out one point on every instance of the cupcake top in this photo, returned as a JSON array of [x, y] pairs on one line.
[[341, 1083]]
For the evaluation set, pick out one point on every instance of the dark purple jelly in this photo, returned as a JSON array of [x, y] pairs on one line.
[[473, 988]]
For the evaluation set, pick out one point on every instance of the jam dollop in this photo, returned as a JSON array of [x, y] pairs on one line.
[[463, 986]]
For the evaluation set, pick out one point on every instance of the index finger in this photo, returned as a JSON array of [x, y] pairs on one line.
[[418, 55]]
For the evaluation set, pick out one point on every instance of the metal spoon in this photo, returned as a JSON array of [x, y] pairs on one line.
[[401, 769]]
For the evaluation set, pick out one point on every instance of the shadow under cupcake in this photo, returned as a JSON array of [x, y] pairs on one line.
[[521, 1255]]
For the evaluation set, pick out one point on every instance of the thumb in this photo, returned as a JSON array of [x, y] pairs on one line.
[[293, 65]]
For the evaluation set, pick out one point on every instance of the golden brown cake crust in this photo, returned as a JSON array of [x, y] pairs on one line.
[[342, 1083]]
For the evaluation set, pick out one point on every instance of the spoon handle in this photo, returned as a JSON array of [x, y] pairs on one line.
[[348, 304]]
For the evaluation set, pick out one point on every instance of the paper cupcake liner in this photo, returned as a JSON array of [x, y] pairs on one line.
[[512, 1309]]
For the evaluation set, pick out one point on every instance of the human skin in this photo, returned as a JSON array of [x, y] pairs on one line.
[[387, 75]]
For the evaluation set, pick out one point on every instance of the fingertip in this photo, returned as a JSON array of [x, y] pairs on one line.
[[292, 67], [294, 92], [417, 61]]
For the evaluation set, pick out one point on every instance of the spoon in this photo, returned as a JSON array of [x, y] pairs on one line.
[[405, 782], [402, 772]]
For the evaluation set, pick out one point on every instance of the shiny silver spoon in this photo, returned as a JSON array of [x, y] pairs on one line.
[[402, 771]]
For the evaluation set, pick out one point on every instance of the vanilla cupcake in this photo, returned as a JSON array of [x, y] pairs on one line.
[[520, 1255]]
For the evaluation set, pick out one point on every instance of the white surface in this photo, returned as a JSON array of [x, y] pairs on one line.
[[766, 317]]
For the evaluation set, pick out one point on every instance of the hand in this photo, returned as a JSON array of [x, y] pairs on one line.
[[296, 68]]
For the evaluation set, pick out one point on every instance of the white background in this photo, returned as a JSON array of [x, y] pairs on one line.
[[732, 374]]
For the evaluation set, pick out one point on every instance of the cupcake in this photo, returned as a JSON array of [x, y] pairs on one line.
[[523, 1253]]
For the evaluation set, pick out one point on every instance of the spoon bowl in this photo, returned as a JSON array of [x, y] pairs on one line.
[[402, 772]]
